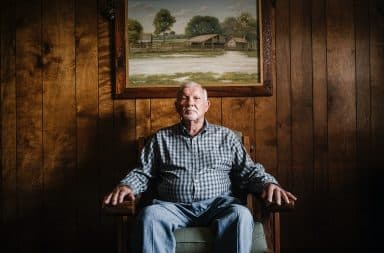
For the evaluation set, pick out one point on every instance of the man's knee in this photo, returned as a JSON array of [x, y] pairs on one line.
[[242, 213], [151, 213]]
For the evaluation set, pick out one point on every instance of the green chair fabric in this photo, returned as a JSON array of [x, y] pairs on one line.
[[200, 240]]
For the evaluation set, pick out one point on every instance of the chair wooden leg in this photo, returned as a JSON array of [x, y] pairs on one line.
[[122, 234], [276, 230]]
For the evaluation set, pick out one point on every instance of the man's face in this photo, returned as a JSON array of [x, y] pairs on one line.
[[192, 105]]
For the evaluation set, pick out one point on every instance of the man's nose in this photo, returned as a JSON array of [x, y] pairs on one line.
[[190, 101]]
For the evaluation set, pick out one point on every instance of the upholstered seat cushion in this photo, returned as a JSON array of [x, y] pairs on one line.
[[200, 240]]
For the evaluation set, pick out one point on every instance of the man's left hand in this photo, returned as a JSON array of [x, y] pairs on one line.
[[274, 193]]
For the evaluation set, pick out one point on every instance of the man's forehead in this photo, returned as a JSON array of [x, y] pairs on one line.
[[192, 90]]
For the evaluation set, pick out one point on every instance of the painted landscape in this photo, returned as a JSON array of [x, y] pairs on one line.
[[210, 42]]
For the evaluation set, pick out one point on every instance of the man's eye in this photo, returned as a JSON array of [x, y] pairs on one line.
[[196, 98]]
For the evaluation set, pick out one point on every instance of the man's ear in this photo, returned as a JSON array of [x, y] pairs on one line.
[[208, 105]]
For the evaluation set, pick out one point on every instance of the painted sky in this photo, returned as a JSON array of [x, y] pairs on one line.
[[183, 10]]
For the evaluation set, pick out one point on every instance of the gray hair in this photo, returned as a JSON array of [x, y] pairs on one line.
[[189, 85]]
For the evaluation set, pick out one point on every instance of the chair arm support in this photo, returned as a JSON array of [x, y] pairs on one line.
[[260, 208], [126, 208]]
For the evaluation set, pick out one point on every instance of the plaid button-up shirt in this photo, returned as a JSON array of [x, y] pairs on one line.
[[189, 169]]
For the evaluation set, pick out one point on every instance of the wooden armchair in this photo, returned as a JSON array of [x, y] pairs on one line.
[[266, 236]]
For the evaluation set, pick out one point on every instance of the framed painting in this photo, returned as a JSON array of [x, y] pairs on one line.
[[224, 45]]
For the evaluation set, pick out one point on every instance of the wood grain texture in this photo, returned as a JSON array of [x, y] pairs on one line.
[[283, 109], [163, 113], [302, 115], [29, 92], [59, 125], [238, 114], [341, 116], [88, 197], [143, 117], [320, 92], [283, 92], [320, 120], [377, 118], [125, 125], [9, 190], [376, 74], [214, 114], [363, 116], [108, 177], [265, 150]]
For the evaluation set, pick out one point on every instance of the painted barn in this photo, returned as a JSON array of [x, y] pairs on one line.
[[207, 41]]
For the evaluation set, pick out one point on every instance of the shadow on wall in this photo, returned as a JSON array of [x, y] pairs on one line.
[[61, 210]]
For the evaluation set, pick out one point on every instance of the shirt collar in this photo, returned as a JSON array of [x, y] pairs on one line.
[[206, 127]]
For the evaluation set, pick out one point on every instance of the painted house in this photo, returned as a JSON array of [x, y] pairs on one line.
[[207, 41], [238, 43]]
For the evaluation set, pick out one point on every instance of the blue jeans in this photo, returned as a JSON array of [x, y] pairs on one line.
[[231, 221]]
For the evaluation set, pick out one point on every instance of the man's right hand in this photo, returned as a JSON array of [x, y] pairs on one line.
[[118, 195]]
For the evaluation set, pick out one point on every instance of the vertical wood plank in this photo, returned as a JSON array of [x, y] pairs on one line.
[[363, 117], [214, 114], [9, 208], [29, 123], [319, 95], [302, 116], [301, 81], [163, 113], [88, 199], [143, 117], [125, 128], [59, 125], [106, 159], [238, 115], [265, 133], [283, 92], [341, 90], [320, 121], [341, 119], [377, 118], [283, 111], [264, 121]]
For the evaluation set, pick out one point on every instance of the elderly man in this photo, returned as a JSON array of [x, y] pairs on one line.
[[194, 164]]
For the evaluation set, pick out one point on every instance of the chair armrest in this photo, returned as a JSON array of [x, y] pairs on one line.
[[261, 208], [126, 208]]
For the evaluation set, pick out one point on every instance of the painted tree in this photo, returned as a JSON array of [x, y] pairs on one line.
[[135, 30], [200, 25], [163, 21], [244, 26], [247, 26]]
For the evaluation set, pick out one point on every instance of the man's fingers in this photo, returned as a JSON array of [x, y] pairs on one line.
[[270, 193], [285, 196], [264, 194], [107, 199], [278, 196], [291, 196], [122, 195], [115, 196], [131, 196]]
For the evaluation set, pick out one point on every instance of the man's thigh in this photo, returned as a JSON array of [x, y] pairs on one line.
[[169, 213], [222, 207]]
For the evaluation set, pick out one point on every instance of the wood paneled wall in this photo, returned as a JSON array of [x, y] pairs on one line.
[[65, 142]]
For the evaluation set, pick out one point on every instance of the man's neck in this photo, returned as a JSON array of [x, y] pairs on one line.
[[193, 127]]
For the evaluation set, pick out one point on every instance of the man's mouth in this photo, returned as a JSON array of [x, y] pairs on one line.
[[189, 110]]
